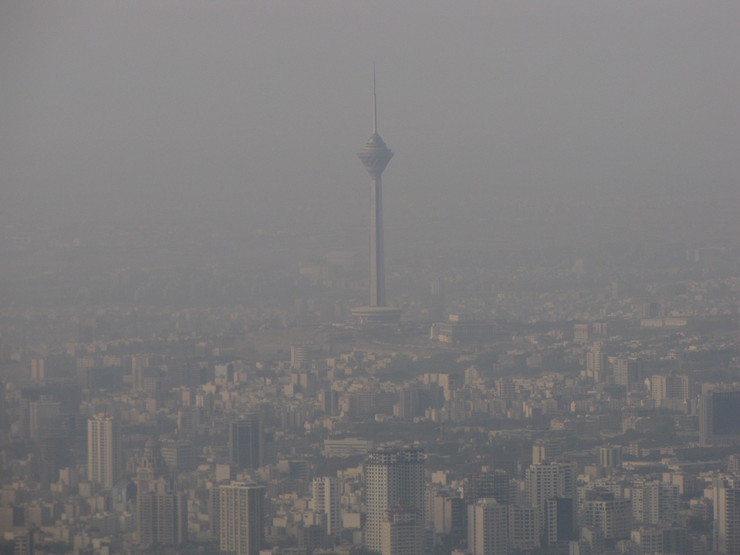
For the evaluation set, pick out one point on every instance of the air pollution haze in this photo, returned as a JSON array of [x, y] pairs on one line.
[[234, 319], [191, 133]]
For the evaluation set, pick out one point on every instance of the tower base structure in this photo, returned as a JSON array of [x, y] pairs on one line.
[[376, 315]]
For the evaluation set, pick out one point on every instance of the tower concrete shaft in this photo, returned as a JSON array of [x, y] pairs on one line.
[[377, 263]]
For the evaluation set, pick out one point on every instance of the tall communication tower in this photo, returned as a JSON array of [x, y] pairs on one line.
[[375, 157]]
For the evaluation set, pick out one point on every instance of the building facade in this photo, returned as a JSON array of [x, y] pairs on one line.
[[325, 496], [247, 442], [104, 456], [488, 528], [727, 518], [719, 413], [393, 476], [241, 512]]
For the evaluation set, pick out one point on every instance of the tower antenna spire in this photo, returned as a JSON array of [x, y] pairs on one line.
[[375, 105]]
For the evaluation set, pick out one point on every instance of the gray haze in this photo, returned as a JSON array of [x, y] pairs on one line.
[[518, 123]]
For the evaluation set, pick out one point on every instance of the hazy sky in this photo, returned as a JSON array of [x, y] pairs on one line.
[[255, 110]]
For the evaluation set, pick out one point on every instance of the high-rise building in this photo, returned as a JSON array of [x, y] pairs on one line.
[[104, 456], [402, 532], [139, 366], [492, 483], [661, 539], [179, 455], [43, 416], [545, 450], [610, 456], [626, 372], [719, 413], [550, 480], [551, 488], [393, 477], [247, 442], [161, 511], [375, 157], [560, 521], [727, 518], [651, 310], [655, 502], [581, 333], [648, 539], [329, 400], [600, 329], [325, 496], [670, 390], [301, 356], [448, 514], [163, 517], [488, 528], [525, 526], [241, 511], [38, 370], [610, 514], [52, 453], [23, 543], [596, 363], [733, 464]]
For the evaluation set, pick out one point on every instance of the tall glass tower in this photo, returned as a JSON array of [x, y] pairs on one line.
[[247, 442]]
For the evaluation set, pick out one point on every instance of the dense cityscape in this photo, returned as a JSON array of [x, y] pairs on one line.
[[538, 354], [536, 407], [617, 402]]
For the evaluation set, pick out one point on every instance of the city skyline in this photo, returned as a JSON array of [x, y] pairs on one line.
[[200, 354]]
